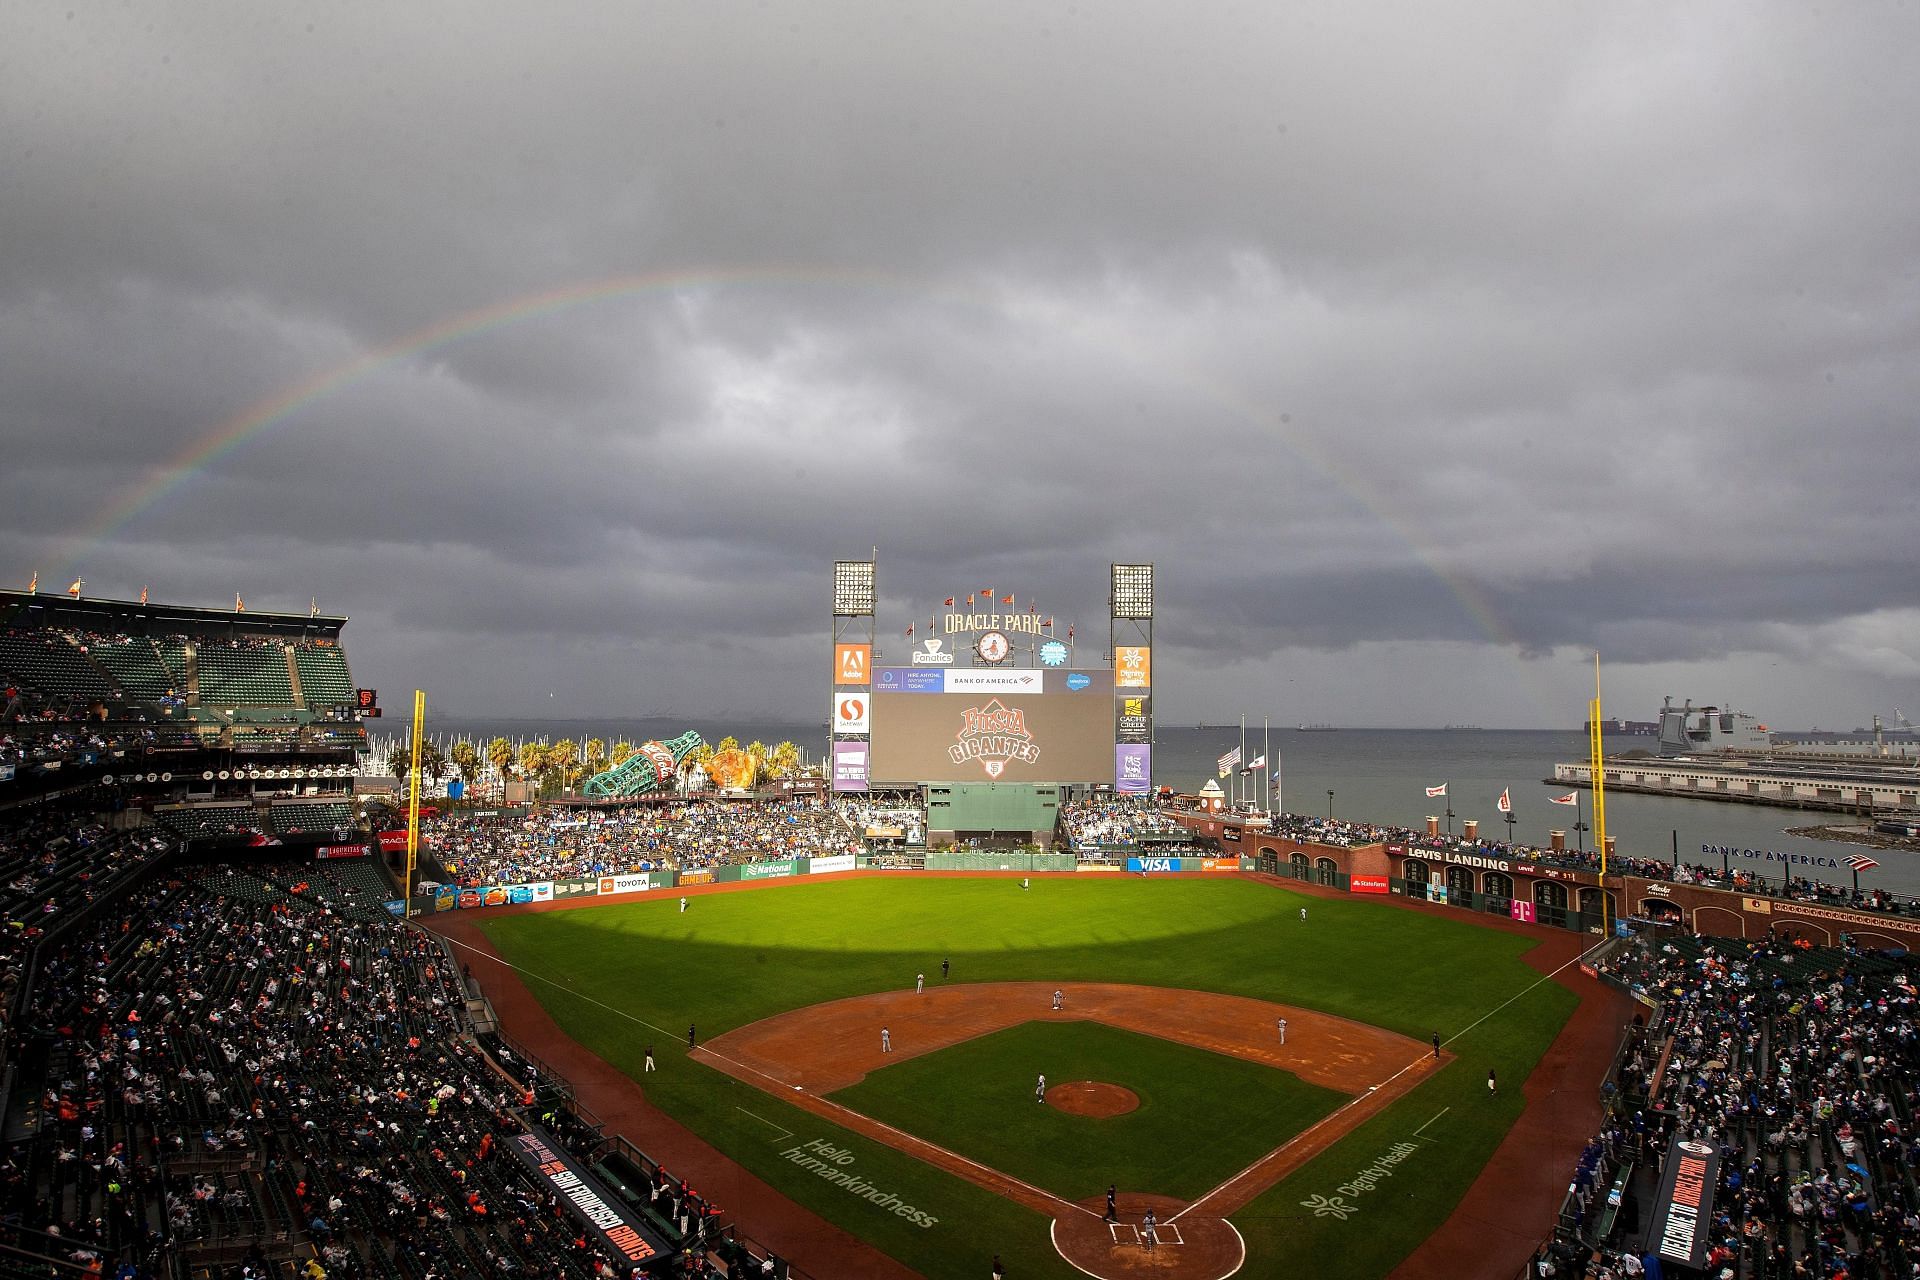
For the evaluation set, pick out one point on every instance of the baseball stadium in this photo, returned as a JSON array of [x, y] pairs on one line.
[[973, 996]]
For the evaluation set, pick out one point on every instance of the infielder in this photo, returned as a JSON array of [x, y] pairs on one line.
[[919, 984], [1282, 1024], [886, 1041], [1059, 1001]]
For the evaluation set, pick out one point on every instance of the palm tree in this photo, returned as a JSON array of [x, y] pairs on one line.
[[757, 752], [466, 759], [785, 760], [594, 756], [621, 751]]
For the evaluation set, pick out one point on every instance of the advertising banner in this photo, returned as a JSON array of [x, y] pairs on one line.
[[1133, 770], [849, 766], [766, 870], [850, 714], [505, 895], [1219, 864], [907, 680], [574, 888], [852, 663], [1133, 717], [824, 866], [1146, 866], [342, 851], [993, 680], [613, 1227], [1367, 884], [639, 883], [933, 652], [1683, 1213], [393, 842], [696, 877], [1132, 666], [1059, 730], [395, 906], [1521, 909], [6, 773]]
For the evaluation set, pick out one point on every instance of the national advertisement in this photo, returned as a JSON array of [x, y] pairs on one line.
[[393, 842], [639, 883], [838, 862], [766, 870], [1132, 666], [1145, 866], [1133, 717], [1133, 769], [849, 766], [342, 851], [852, 663], [850, 714], [505, 895], [1367, 884], [1522, 910]]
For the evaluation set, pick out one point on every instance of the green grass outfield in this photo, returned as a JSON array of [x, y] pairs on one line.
[[1202, 1118], [630, 974]]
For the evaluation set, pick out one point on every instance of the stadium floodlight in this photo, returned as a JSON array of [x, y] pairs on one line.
[[853, 588], [1132, 591]]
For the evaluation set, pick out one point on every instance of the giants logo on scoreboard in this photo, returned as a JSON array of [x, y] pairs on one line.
[[994, 734]]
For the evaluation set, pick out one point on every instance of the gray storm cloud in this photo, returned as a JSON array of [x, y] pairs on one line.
[[1409, 344]]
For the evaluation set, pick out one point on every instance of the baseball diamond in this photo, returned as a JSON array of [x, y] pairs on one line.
[[1179, 982]]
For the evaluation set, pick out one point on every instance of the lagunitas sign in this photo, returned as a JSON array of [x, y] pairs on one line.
[[994, 734]]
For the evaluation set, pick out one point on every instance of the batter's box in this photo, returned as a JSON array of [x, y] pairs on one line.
[[1165, 1233]]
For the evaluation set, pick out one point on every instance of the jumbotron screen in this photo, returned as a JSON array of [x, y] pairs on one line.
[[991, 724]]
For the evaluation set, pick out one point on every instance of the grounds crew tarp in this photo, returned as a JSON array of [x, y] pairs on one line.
[[616, 1229]]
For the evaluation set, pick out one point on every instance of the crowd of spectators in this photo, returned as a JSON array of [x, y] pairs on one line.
[[559, 844], [899, 811], [1801, 1067], [1307, 828], [239, 1070], [1115, 821]]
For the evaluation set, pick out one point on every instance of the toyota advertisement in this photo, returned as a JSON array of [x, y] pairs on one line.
[[991, 724]]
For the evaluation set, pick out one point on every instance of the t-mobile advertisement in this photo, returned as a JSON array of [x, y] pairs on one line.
[[849, 766], [1132, 769], [998, 726]]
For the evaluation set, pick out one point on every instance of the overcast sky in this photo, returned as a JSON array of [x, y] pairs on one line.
[[1424, 349]]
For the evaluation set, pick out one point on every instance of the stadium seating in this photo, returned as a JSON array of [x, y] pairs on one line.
[[136, 663], [51, 664], [324, 680], [224, 821], [311, 817], [243, 675]]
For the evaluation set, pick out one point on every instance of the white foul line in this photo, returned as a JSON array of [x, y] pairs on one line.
[[1422, 1129], [784, 1133]]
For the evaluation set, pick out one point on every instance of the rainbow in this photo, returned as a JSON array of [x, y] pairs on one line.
[[262, 416]]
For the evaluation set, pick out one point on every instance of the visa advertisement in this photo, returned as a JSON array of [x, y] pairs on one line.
[[991, 724]]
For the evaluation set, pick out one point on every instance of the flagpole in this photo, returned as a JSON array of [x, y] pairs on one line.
[[1279, 788], [1266, 783], [1241, 772]]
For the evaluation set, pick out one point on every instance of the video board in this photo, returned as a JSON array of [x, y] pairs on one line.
[[991, 724]]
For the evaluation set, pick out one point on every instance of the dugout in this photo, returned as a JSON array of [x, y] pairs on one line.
[[992, 813]]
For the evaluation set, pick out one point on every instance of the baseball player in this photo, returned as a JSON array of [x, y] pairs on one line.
[[1493, 1087], [1059, 1000], [1282, 1024], [649, 1066], [1149, 1231], [689, 1035], [683, 906], [1040, 1089], [944, 967], [1023, 882], [919, 984], [1113, 1209], [1303, 915], [886, 1041], [1436, 1044]]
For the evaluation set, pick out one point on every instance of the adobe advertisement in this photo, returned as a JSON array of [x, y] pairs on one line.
[[991, 725]]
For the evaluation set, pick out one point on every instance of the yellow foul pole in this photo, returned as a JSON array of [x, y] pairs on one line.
[[413, 799], [1597, 775]]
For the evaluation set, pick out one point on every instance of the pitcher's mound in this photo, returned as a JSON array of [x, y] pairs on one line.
[[1092, 1098]]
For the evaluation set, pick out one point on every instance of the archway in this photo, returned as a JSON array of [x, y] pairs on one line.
[[1298, 865], [1590, 900], [1497, 884], [1664, 910], [1550, 895], [1326, 871], [1459, 884], [1417, 875]]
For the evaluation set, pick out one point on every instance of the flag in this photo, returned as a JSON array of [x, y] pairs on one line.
[[313, 607], [33, 584], [74, 590], [1505, 803], [1572, 797], [909, 631], [239, 605], [1227, 761], [969, 599], [1436, 791], [1069, 631], [949, 602], [1047, 623], [1861, 862], [1006, 599], [1259, 762], [143, 595]]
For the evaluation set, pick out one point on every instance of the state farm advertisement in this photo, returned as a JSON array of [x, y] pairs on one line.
[[1367, 884], [1062, 731]]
